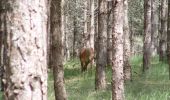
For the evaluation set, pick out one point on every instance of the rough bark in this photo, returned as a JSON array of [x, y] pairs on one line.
[[109, 33], [163, 35], [26, 47], [101, 57], [117, 59], [57, 50], [147, 35], [126, 46], [168, 37]]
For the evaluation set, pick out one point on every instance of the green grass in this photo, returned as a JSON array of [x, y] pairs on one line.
[[153, 85]]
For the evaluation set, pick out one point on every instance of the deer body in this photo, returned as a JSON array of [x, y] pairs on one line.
[[86, 57]]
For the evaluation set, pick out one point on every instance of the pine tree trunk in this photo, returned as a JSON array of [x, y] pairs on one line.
[[147, 35], [1, 49], [154, 27], [109, 33], [101, 58], [126, 46], [92, 31], [163, 35], [117, 60], [57, 50], [168, 37], [26, 45]]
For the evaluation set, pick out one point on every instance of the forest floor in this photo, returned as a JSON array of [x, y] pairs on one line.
[[153, 85]]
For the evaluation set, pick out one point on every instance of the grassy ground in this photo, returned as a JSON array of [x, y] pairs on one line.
[[153, 85]]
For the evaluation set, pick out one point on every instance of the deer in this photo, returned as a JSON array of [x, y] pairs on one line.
[[86, 56]]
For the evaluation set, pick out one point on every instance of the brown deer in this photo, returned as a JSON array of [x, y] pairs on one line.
[[86, 57]]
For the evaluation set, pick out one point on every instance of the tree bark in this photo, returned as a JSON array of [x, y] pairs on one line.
[[92, 28], [147, 35], [57, 50], [126, 46], [109, 32], [168, 37], [117, 60], [26, 45], [163, 35], [154, 27], [101, 58]]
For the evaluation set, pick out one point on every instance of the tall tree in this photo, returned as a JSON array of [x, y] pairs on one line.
[[168, 37], [163, 30], [92, 28], [101, 58], [26, 59], [57, 50], [117, 59], [147, 35], [109, 32], [126, 46], [1, 48], [154, 27]]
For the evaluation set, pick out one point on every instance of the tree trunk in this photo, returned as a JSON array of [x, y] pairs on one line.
[[57, 50], [147, 35], [154, 27], [92, 31], [117, 60], [1, 49], [163, 36], [26, 42], [88, 36], [109, 33], [168, 37], [126, 46], [101, 57]]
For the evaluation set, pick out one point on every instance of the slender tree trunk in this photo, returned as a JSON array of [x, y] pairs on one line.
[[26, 45], [48, 36], [100, 81], [89, 24], [92, 25], [154, 27], [163, 35], [1, 49], [117, 60], [57, 50], [168, 37], [126, 46], [109, 32], [131, 37], [67, 51], [147, 35]]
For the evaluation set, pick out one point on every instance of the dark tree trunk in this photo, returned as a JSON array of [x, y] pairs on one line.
[[100, 81], [168, 37], [57, 50], [163, 31], [147, 35]]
